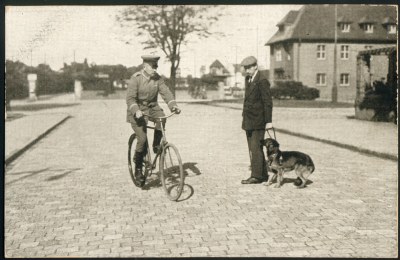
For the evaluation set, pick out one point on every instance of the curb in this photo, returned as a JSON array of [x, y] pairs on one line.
[[18, 153], [353, 148]]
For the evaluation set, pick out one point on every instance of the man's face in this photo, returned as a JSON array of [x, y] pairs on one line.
[[150, 68], [250, 70]]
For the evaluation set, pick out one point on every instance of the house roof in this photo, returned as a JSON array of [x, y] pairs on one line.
[[218, 64], [289, 18], [316, 23]]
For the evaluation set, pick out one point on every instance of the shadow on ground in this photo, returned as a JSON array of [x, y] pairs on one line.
[[35, 107], [190, 170], [59, 173], [291, 180]]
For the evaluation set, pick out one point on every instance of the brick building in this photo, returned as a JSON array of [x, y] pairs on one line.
[[303, 47]]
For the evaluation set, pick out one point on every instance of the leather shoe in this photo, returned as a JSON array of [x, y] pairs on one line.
[[252, 180]]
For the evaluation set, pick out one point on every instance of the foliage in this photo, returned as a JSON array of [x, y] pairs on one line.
[[16, 82], [168, 27], [381, 98], [293, 90]]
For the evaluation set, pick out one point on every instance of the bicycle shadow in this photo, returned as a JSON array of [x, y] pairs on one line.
[[190, 170]]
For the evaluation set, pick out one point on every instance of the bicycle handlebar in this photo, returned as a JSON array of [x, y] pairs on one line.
[[161, 117]]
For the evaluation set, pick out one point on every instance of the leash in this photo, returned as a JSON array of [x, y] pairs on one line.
[[273, 129]]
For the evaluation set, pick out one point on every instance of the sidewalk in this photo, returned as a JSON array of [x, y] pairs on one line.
[[35, 124], [336, 127]]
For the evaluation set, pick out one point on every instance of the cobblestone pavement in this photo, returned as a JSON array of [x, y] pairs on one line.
[[71, 195]]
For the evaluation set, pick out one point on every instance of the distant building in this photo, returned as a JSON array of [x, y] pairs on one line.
[[219, 71], [303, 47]]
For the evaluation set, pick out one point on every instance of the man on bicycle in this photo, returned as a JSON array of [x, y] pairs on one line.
[[141, 98]]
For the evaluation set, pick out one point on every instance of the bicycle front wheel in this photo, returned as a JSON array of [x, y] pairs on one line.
[[171, 172]]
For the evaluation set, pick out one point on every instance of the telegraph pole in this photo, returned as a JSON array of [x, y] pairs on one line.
[[257, 42], [334, 87]]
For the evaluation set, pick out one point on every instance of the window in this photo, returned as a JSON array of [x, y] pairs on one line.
[[391, 28], [288, 56], [278, 55], [321, 52], [321, 79], [368, 28], [344, 52], [344, 79], [345, 27]]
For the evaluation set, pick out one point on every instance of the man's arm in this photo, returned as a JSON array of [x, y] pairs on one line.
[[131, 95], [267, 100]]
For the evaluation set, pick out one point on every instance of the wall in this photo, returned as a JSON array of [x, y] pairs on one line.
[[309, 66]]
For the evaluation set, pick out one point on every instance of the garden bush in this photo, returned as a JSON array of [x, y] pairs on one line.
[[293, 90], [381, 98]]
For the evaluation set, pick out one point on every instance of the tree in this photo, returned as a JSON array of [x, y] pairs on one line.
[[168, 27], [16, 81]]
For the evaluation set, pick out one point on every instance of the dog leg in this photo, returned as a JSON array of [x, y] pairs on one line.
[[270, 180], [280, 179], [303, 177]]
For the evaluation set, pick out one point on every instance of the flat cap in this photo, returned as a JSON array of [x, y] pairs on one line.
[[251, 60], [150, 59]]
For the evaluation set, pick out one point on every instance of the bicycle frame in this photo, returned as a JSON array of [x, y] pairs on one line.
[[163, 139]]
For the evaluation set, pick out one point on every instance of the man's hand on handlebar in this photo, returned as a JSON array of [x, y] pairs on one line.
[[176, 110], [139, 114]]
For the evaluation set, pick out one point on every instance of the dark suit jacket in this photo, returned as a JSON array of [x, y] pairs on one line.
[[257, 105]]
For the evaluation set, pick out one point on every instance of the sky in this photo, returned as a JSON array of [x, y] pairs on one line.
[[58, 34]]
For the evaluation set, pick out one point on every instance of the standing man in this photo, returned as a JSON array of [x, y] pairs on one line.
[[141, 98], [257, 116]]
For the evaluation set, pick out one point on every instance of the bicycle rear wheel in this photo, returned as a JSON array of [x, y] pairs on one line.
[[131, 160], [171, 172]]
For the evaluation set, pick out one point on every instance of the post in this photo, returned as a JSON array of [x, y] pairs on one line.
[[32, 86], [78, 89], [334, 87]]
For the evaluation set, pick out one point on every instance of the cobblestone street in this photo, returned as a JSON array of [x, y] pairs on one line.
[[71, 195]]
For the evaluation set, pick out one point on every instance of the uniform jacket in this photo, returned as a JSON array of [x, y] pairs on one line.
[[257, 105], [143, 92]]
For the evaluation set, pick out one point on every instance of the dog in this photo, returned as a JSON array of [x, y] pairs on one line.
[[281, 162]]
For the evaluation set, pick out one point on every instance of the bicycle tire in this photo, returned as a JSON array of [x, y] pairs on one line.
[[131, 162], [171, 172]]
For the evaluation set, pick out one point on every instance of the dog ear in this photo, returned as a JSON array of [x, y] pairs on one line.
[[276, 144]]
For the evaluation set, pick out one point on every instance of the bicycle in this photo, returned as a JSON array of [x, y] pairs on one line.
[[170, 163]]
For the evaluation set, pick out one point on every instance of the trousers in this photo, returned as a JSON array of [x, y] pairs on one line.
[[140, 129], [257, 159]]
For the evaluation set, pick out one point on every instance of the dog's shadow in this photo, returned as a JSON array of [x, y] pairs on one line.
[[291, 180]]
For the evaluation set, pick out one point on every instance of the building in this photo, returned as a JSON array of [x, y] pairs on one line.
[[219, 71], [303, 48]]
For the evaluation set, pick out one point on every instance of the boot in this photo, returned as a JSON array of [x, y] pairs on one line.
[[138, 168], [157, 140]]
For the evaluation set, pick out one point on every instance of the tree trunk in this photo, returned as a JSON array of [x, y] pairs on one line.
[[173, 78]]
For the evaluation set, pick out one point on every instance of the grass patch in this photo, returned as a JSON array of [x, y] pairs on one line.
[[300, 103], [12, 116], [36, 107], [100, 94]]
